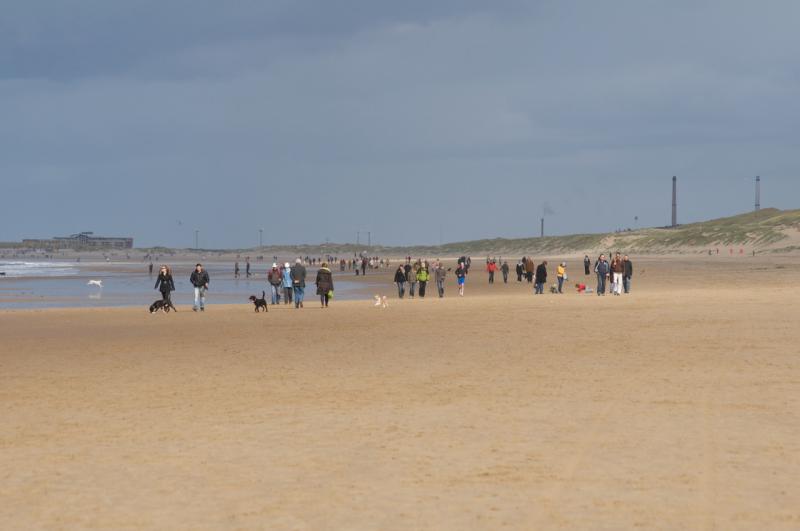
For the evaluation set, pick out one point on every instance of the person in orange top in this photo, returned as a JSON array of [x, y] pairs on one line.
[[491, 267]]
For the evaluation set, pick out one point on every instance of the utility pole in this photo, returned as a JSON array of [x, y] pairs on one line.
[[758, 193], [542, 229], [261, 237], [369, 239], [358, 238]]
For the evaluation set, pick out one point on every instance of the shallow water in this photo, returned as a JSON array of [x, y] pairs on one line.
[[62, 284]]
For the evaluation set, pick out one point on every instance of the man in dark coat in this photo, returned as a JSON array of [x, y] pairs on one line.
[[541, 277]]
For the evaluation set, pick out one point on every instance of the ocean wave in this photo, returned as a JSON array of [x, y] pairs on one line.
[[37, 269]]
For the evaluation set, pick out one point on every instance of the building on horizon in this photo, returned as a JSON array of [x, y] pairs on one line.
[[82, 240]]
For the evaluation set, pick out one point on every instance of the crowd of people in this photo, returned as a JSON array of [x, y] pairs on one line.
[[287, 282]]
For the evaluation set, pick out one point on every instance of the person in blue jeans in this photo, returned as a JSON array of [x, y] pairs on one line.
[[541, 277], [286, 274], [298, 274], [602, 269]]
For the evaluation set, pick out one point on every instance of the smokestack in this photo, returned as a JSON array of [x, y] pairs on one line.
[[542, 227], [674, 201], [758, 193]]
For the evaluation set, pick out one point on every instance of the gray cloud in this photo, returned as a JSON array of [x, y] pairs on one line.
[[317, 119]]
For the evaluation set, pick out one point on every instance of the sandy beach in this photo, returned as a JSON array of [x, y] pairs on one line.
[[676, 407]]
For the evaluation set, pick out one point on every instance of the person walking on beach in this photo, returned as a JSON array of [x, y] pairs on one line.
[[166, 285], [275, 280], [247, 267], [601, 269], [287, 283], [491, 267], [236, 269], [439, 275], [541, 277], [617, 269], [298, 274], [461, 277], [586, 264], [530, 267], [400, 281], [423, 276], [561, 275], [411, 278], [324, 284], [150, 269], [519, 271], [504, 270], [199, 280], [627, 273]]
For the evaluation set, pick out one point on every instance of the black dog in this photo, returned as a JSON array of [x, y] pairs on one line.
[[160, 306], [260, 303]]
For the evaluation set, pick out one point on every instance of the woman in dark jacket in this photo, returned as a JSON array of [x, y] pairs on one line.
[[324, 284], [400, 280], [541, 277], [166, 285]]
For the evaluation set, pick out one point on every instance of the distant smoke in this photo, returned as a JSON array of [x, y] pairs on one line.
[[547, 210]]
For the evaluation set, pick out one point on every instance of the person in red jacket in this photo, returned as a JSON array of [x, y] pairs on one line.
[[491, 267]]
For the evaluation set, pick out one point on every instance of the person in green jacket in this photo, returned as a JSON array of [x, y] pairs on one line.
[[423, 276]]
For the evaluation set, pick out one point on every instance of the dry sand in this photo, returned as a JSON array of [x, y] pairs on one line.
[[677, 407]]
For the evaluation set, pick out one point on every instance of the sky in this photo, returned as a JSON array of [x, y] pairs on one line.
[[417, 121]]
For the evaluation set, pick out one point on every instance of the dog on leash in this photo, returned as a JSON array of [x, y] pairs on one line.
[[160, 306], [381, 301], [260, 303]]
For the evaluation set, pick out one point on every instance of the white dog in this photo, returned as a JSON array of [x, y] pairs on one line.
[[381, 301]]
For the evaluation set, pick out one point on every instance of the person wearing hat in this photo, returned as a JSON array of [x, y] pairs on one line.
[[275, 280], [287, 283], [298, 274], [324, 284]]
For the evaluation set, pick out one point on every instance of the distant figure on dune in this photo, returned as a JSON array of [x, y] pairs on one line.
[[400, 281], [324, 284], [166, 285]]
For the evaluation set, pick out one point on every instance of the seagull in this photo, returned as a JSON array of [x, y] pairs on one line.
[[98, 283]]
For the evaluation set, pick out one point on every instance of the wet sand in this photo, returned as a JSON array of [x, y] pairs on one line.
[[675, 407]]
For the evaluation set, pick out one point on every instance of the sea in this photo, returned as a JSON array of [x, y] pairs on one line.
[[58, 284]]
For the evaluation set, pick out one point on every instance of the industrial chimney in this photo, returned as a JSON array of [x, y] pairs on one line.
[[674, 201], [758, 193]]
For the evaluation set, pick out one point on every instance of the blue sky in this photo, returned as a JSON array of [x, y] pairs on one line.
[[315, 120]]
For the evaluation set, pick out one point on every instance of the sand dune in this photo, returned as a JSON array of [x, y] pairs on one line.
[[675, 407]]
